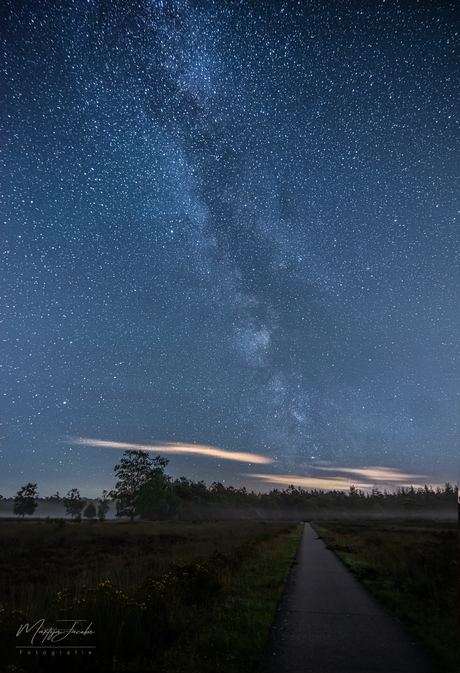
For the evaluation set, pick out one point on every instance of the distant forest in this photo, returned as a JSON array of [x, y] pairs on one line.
[[146, 492]]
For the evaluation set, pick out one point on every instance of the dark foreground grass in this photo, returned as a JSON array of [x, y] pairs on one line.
[[412, 568], [157, 596]]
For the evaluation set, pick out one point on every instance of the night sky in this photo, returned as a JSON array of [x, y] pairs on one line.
[[232, 225]]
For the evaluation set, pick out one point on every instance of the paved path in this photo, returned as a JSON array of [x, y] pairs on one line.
[[328, 621]]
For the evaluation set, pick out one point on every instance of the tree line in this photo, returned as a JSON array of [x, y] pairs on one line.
[[25, 502], [144, 490]]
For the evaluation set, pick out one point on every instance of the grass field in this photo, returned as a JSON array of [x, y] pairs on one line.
[[411, 567], [159, 596]]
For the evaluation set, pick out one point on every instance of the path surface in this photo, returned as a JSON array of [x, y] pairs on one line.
[[328, 621]]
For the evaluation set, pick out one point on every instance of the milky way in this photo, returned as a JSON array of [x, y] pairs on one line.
[[230, 224]]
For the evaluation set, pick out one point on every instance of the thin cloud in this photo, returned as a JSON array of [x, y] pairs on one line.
[[178, 448], [386, 474], [339, 484], [385, 477]]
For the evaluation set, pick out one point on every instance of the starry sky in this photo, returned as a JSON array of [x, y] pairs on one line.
[[229, 236]]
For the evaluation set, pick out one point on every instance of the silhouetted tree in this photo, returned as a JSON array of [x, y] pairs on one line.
[[140, 481], [103, 506], [156, 497], [73, 503], [24, 501], [54, 498], [90, 511]]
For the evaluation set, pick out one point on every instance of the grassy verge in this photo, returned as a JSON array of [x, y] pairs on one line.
[[231, 636], [412, 568], [158, 596]]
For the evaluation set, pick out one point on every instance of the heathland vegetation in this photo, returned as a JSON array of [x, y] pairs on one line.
[[157, 596]]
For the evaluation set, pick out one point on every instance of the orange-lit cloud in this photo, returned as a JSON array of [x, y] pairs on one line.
[[376, 474], [385, 477], [309, 482], [177, 447]]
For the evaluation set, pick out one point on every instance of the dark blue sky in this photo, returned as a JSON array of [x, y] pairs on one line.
[[231, 224]]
